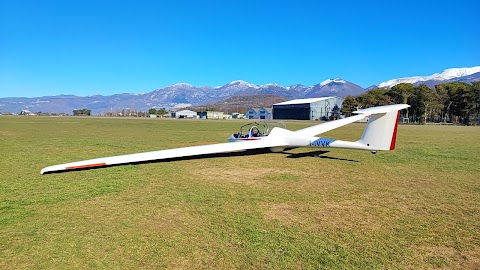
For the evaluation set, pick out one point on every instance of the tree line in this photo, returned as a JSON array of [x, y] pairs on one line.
[[160, 111], [453, 102], [117, 113], [125, 113]]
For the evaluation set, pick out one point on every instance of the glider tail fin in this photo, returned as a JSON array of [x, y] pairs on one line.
[[381, 130]]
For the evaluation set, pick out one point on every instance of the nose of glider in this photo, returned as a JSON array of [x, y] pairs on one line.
[[232, 138]]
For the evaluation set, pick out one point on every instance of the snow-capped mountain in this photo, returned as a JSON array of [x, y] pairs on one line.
[[274, 89], [239, 85], [334, 87], [298, 88], [329, 81], [446, 75], [179, 93], [467, 79], [234, 88]]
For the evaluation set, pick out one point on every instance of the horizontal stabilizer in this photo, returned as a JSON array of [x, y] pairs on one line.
[[361, 114], [382, 109]]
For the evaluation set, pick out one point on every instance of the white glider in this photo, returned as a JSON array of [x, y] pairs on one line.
[[380, 134]]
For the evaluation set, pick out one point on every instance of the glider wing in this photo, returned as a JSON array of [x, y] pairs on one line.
[[167, 154]]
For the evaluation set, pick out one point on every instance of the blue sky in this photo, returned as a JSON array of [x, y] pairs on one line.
[[108, 47]]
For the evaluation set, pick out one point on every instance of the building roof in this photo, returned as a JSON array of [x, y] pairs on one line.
[[269, 110], [185, 112], [256, 109], [303, 101]]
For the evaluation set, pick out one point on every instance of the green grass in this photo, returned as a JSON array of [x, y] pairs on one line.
[[417, 207]]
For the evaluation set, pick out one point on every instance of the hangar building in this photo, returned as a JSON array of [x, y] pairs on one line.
[[306, 109], [184, 114], [210, 115]]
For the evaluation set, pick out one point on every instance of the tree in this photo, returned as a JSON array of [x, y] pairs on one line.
[[82, 112], [152, 111], [476, 101], [399, 93], [349, 105], [460, 98], [422, 101], [335, 112], [161, 111], [374, 97]]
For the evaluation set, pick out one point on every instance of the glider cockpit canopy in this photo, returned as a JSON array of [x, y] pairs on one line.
[[258, 129]]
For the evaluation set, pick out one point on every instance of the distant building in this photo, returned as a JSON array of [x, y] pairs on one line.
[[210, 115], [306, 109], [238, 115], [259, 113], [27, 112], [184, 114]]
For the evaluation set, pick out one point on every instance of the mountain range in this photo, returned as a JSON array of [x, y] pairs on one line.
[[175, 96], [182, 94]]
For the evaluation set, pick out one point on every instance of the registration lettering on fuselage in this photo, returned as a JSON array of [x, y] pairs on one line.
[[321, 142]]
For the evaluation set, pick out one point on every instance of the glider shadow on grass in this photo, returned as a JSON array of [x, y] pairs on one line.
[[318, 154]]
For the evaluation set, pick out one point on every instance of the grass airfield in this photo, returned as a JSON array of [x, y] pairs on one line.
[[417, 207]]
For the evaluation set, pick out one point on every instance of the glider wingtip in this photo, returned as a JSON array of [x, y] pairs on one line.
[[50, 169], [45, 170]]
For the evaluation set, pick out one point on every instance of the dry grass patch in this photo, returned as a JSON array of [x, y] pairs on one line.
[[286, 214], [232, 175], [345, 215], [7, 133], [442, 257], [349, 215]]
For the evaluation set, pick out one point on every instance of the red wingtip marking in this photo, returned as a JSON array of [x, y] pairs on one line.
[[87, 166], [394, 136]]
